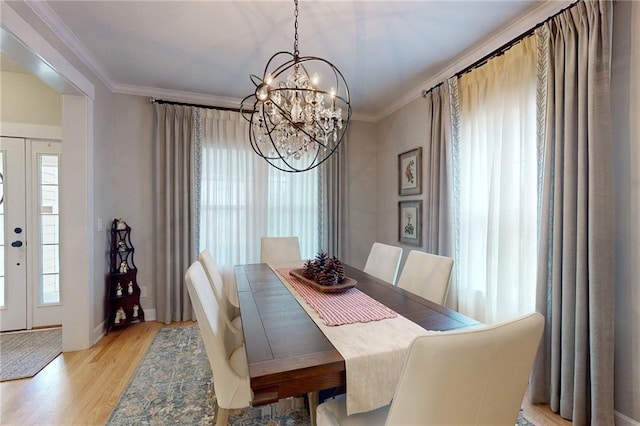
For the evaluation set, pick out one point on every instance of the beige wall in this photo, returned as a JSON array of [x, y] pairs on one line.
[[26, 99], [362, 191], [401, 131], [626, 133], [131, 154]]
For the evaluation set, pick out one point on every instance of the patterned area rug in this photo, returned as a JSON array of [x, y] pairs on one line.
[[174, 385], [23, 354]]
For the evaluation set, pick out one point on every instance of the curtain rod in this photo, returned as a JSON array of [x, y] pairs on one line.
[[162, 101], [500, 50]]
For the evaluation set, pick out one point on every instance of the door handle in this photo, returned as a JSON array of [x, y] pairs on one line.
[[16, 244]]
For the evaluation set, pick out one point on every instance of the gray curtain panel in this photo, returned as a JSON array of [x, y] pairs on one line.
[[332, 202], [175, 208], [439, 169], [575, 291]]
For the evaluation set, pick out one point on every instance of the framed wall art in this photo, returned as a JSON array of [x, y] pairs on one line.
[[410, 222], [410, 172]]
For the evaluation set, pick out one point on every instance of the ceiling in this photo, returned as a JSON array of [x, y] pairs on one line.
[[205, 50]]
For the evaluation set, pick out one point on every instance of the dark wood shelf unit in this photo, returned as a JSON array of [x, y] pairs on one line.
[[123, 293]]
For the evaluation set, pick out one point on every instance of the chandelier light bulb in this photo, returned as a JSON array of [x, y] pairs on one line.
[[262, 92]]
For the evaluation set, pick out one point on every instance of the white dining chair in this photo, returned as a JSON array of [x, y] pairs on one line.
[[473, 377], [279, 249], [231, 313], [384, 262], [427, 275], [227, 355]]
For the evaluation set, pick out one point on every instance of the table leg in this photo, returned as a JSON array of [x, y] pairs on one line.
[[313, 404]]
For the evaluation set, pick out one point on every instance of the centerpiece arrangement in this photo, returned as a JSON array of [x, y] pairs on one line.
[[324, 273]]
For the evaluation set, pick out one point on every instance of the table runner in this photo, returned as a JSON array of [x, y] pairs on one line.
[[335, 309], [374, 353]]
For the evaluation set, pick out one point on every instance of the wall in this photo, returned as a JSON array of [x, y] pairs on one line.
[[362, 191], [26, 99], [626, 136], [132, 152], [401, 131]]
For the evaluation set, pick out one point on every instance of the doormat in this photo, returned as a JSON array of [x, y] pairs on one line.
[[24, 353]]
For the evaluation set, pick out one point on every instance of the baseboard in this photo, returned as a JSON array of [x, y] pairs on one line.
[[149, 314], [622, 420], [97, 333]]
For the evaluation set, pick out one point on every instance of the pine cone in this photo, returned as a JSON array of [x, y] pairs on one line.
[[327, 278], [338, 268], [310, 269], [321, 278], [321, 259]]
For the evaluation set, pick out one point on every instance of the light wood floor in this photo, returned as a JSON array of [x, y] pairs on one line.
[[81, 388]]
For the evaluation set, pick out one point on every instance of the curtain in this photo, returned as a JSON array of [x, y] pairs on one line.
[[495, 178], [439, 189], [574, 368], [243, 198], [175, 208], [332, 199]]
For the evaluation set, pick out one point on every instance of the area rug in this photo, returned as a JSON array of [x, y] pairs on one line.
[[23, 354], [173, 384]]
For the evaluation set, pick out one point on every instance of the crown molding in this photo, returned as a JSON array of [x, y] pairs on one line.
[[365, 117], [197, 98], [177, 95], [60, 29], [508, 33]]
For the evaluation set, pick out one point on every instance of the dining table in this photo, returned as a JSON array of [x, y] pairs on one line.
[[288, 354]]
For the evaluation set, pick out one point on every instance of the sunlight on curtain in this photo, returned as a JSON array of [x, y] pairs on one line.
[[497, 187], [242, 198]]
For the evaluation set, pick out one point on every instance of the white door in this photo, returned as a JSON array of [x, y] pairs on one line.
[[30, 275], [13, 268]]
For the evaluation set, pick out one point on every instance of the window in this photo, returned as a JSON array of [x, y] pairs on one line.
[[49, 229], [496, 184], [242, 198]]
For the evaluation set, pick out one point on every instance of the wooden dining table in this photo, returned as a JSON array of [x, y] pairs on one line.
[[288, 355]]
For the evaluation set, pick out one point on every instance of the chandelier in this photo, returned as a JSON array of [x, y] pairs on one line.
[[296, 125]]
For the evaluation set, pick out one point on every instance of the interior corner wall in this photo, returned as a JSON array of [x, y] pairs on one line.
[[132, 167], [401, 131], [104, 169], [626, 137], [360, 221]]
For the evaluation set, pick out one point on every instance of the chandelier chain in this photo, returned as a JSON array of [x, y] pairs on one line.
[[296, 52]]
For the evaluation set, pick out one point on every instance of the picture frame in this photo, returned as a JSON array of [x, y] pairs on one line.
[[410, 222], [410, 172]]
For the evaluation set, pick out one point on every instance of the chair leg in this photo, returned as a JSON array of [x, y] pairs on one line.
[[313, 405], [215, 409], [222, 416]]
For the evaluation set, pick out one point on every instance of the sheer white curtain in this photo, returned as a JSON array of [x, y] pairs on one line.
[[495, 177], [242, 198]]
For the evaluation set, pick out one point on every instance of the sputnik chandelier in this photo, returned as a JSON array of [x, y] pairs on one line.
[[296, 125]]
